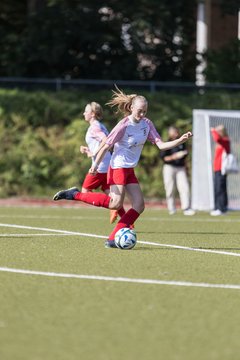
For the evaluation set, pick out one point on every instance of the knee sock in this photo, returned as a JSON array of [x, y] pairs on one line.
[[97, 199], [93, 198], [128, 219], [121, 212]]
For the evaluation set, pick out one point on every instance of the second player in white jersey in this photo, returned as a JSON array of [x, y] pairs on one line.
[[95, 134]]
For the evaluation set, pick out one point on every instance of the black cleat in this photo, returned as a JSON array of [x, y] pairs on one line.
[[110, 244], [66, 194]]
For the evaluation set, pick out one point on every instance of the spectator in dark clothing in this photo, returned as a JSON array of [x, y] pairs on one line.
[[175, 175]]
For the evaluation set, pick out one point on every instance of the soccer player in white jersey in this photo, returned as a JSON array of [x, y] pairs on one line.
[[127, 139], [95, 136]]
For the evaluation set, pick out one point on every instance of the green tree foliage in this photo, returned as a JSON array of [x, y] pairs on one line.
[[162, 35], [69, 39], [230, 7], [224, 64], [13, 18], [144, 39]]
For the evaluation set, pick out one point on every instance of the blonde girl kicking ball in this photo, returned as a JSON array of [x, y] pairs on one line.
[[127, 140]]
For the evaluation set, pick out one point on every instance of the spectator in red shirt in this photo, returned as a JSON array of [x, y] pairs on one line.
[[220, 137]]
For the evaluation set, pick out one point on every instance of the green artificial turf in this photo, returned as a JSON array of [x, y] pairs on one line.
[[48, 318]]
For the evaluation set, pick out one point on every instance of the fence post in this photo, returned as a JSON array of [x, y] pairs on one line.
[[152, 87], [58, 84]]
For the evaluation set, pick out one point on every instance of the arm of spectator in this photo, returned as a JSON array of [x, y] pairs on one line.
[[175, 156]]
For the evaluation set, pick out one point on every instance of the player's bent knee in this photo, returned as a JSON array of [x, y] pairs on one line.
[[115, 204]]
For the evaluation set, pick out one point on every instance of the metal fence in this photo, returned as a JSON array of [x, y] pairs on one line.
[[95, 85]]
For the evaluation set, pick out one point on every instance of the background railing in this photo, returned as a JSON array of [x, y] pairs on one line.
[[94, 84]]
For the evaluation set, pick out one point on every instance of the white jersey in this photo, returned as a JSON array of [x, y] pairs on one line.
[[94, 136], [128, 138]]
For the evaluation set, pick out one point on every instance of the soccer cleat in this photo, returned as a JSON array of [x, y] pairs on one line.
[[110, 244], [66, 194], [113, 216]]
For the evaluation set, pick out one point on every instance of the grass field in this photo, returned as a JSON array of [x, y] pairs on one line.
[[63, 296]]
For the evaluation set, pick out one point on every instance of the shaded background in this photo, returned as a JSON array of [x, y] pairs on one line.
[[148, 46], [144, 39]]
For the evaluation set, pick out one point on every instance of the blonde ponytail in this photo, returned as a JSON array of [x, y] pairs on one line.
[[122, 101]]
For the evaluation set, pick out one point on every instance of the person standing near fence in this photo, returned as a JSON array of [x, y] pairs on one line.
[[175, 174], [220, 137], [127, 139]]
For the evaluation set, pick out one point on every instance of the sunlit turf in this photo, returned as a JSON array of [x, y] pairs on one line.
[[64, 318]]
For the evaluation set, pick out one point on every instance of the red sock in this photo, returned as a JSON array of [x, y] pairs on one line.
[[121, 212], [93, 198], [128, 219]]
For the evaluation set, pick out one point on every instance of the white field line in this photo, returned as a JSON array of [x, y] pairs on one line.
[[31, 235], [52, 230], [120, 279], [191, 248], [50, 217], [140, 242]]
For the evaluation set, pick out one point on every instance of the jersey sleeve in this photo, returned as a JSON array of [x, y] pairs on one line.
[[117, 132], [97, 132], [215, 135], [153, 135]]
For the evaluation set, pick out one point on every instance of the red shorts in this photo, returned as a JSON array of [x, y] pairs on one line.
[[92, 182], [122, 176]]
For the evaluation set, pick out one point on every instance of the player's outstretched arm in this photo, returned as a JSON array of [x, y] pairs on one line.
[[171, 144]]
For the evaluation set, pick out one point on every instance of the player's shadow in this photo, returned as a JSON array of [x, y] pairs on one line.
[[154, 248], [157, 248], [218, 248], [17, 237], [148, 248], [187, 232]]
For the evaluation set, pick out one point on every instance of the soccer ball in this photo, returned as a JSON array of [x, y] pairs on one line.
[[125, 239]]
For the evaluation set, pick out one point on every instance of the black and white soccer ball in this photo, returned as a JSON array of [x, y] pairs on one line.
[[125, 239]]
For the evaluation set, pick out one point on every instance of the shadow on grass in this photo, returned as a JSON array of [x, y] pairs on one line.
[[217, 248], [194, 248], [188, 232]]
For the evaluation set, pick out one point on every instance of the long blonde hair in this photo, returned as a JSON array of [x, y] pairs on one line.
[[123, 102]]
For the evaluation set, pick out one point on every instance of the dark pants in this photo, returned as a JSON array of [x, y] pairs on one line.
[[220, 191]]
